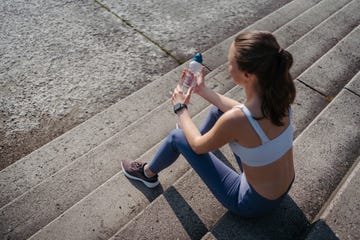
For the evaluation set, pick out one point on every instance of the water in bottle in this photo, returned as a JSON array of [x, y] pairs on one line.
[[193, 71]]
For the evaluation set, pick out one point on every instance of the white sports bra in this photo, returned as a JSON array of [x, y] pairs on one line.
[[270, 150]]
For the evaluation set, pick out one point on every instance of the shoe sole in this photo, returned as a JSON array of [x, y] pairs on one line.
[[147, 184]]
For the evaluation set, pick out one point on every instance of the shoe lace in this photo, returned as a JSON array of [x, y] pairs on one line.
[[138, 165]]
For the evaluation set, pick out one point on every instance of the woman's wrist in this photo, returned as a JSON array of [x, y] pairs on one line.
[[201, 90], [179, 107], [181, 111]]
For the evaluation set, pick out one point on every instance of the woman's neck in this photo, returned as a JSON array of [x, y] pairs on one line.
[[253, 102], [252, 97]]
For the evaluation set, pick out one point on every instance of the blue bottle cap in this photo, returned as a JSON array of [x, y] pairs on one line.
[[198, 58]]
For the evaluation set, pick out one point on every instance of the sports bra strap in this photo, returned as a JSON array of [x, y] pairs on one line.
[[254, 123]]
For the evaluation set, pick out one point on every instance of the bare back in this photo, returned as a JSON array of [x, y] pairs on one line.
[[271, 180]]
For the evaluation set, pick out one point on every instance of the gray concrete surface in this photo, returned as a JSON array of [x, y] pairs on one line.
[[325, 36], [269, 23], [307, 105], [63, 62], [342, 212], [308, 20], [186, 27], [344, 57], [287, 222], [325, 152], [354, 85]]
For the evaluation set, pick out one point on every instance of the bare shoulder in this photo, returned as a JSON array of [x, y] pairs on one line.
[[244, 132], [235, 120], [236, 115]]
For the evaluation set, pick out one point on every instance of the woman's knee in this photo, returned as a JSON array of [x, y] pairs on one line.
[[176, 135], [178, 141], [215, 111]]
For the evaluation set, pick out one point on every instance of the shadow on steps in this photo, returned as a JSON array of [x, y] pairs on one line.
[[188, 218], [150, 193], [287, 222]]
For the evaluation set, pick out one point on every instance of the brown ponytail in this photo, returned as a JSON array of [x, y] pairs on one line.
[[259, 53]]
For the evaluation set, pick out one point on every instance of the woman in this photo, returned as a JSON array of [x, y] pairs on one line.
[[259, 131]]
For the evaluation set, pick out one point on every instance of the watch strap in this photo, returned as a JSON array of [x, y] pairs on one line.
[[179, 106]]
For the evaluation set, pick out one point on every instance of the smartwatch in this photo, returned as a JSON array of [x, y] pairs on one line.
[[179, 106]]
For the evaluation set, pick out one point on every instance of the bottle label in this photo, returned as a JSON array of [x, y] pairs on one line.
[[189, 79]]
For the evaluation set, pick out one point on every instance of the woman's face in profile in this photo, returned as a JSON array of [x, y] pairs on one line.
[[232, 65]]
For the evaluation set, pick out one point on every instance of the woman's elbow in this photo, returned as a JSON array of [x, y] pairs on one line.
[[198, 150]]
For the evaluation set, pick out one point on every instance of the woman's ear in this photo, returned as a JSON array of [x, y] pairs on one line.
[[249, 76]]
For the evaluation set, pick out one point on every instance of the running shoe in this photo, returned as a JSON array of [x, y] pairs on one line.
[[135, 170]]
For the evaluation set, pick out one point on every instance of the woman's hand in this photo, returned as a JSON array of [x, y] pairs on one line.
[[179, 97], [200, 81]]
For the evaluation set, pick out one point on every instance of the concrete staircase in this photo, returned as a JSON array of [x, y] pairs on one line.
[[73, 188]]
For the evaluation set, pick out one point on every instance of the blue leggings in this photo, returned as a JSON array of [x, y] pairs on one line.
[[230, 188]]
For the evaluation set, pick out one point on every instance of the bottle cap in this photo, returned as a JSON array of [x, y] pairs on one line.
[[198, 58]]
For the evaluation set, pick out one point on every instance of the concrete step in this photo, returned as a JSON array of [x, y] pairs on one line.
[[341, 215], [308, 20], [324, 36], [340, 219], [84, 177], [354, 86], [196, 202], [322, 168], [341, 62], [345, 58], [28, 172]]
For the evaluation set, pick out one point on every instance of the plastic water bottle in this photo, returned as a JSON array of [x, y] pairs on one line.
[[193, 71]]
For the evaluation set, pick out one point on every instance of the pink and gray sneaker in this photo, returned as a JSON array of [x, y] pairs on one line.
[[135, 170]]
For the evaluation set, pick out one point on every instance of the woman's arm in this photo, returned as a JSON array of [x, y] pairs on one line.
[[221, 133], [220, 101]]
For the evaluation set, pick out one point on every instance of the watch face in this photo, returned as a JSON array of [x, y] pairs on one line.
[[178, 107]]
